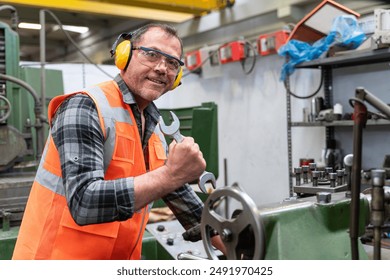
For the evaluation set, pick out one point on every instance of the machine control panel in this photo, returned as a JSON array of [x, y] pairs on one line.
[[169, 235]]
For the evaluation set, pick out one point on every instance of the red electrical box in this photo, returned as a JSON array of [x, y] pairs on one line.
[[233, 51], [193, 60], [270, 43]]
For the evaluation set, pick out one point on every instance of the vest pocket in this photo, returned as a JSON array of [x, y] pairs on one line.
[[159, 150], [124, 148], [84, 242]]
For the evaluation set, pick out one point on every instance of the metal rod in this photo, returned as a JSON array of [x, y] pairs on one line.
[[226, 182], [42, 45], [377, 243], [289, 137], [378, 208], [360, 119]]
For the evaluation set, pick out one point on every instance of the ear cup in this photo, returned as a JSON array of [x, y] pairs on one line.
[[178, 79], [123, 54]]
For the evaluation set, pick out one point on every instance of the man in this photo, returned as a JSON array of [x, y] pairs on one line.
[[105, 160]]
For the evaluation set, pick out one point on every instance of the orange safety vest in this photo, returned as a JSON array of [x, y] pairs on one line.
[[48, 230]]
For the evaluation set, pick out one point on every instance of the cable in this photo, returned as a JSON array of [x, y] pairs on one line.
[[309, 96], [248, 44], [195, 70], [211, 54], [74, 43], [140, 229]]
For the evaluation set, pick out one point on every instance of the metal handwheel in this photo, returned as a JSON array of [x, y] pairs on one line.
[[5, 108], [242, 234]]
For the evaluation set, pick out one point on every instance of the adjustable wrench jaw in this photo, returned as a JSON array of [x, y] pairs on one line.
[[173, 129], [207, 177]]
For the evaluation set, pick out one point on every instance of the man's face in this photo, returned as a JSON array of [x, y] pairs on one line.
[[148, 81]]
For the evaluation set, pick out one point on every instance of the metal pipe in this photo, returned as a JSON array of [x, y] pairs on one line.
[[42, 46], [226, 182], [360, 119], [39, 117], [23, 84], [373, 100]]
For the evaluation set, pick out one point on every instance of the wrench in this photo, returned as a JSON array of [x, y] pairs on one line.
[[174, 130]]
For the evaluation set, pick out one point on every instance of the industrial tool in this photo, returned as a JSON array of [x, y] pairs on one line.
[[381, 35], [173, 130], [309, 180], [314, 227], [360, 119], [23, 129]]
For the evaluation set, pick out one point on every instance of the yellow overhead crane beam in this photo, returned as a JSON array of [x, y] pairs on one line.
[[120, 9], [196, 7]]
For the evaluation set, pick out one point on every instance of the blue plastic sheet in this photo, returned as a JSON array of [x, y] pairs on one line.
[[345, 32]]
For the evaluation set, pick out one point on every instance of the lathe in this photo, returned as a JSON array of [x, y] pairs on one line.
[[325, 220], [314, 227]]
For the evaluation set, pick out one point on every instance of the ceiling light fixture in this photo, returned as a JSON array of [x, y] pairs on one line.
[[71, 28], [77, 29], [26, 25]]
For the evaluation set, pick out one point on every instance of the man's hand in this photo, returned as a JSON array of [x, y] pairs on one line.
[[185, 161], [185, 164]]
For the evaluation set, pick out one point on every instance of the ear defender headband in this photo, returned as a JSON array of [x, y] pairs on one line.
[[123, 52]]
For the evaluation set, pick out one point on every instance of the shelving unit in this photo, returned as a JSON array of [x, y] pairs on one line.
[[326, 65], [339, 123]]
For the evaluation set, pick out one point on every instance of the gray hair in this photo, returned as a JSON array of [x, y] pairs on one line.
[[168, 29]]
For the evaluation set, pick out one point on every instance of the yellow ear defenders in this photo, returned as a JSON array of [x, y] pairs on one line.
[[123, 52]]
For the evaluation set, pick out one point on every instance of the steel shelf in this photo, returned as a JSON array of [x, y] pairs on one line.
[[338, 123], [350, 58]]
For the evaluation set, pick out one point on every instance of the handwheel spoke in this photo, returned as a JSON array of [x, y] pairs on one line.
[[241, 222], [214, 220], [231, 250]]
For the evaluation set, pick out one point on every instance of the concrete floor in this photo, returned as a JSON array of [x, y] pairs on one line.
[[385, 253]]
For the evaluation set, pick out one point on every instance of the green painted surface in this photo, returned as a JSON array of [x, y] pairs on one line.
[[7, 242], [54, 87], [312, 231], [152, 249]]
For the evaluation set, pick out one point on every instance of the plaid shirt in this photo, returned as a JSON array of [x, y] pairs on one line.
[[91, 199]]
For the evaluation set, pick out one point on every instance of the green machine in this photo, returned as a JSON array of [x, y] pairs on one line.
[[23, 131], [309, 228]]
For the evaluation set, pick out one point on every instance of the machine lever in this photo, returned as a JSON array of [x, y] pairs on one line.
[[186, 256]]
